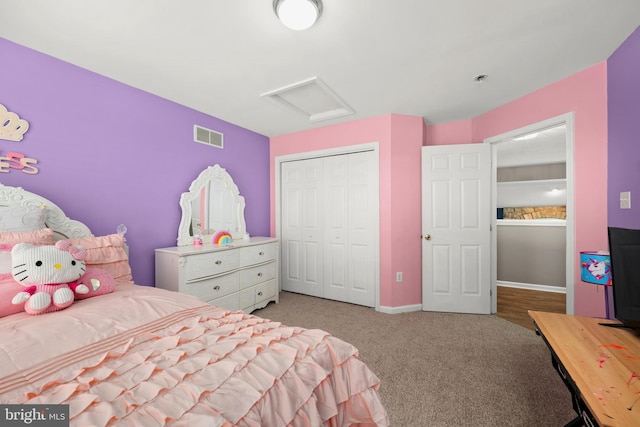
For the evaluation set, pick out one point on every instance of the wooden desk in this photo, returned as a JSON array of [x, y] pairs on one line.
[[600, 365]]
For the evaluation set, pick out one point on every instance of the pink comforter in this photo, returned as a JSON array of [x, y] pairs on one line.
[[147, 357]]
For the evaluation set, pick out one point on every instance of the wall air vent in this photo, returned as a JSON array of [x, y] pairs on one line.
[[208, 136]]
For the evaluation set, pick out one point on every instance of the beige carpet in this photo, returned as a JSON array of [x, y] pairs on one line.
[[443, 369]]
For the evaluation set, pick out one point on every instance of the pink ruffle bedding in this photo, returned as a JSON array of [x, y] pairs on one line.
[[147, 357]]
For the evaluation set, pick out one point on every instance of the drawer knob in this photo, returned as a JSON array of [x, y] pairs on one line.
[[218, 262], [259, 274], [216, 288], [260, 293], [261, 253]]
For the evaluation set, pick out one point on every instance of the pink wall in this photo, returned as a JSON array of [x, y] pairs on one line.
[[407, 135], [460, 132], [399, 138], [584, 94]]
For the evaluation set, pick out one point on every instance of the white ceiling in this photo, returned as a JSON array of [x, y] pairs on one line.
[[416, 57], [544, 147]]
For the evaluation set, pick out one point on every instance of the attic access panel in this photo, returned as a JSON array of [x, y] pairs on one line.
[[311, 98]]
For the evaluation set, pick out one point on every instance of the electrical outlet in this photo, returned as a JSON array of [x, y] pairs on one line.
[[399, 276]]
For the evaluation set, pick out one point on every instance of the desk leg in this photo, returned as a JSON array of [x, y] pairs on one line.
[[584, 417], [576, 422]]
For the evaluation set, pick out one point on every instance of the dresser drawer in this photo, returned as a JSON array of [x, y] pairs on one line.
[[266, 290], [247, 299], [210, 264], [216, 287], [262, 292], [230, 302], [256, 254], [254, 275]]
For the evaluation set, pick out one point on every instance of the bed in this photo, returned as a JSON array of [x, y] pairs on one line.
[[142, 356]]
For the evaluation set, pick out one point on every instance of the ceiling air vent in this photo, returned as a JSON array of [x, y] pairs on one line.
[[208, 136]]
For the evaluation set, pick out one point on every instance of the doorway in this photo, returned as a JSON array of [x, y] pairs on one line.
[[533, 177]]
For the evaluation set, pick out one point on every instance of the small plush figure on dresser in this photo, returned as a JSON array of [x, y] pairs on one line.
[[197, 240]]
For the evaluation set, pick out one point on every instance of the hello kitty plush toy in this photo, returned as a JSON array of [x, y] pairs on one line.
[[49, 275]]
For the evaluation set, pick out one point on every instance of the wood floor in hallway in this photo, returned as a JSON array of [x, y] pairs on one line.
[[514, 303]]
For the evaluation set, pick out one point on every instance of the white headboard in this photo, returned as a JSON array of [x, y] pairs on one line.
[[63, 227]]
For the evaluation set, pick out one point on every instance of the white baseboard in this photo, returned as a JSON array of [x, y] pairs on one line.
[[528, 286], [532, 287], [398, 310]]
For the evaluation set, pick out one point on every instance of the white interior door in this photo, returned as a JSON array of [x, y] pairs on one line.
[[456, 225], [328, 227]]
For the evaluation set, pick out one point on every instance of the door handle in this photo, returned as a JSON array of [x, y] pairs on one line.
[[427, 237]]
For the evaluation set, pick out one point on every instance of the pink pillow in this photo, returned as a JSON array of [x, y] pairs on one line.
[[44, 235], [9, 238], [105, 282], [9, 288], [108, 253]]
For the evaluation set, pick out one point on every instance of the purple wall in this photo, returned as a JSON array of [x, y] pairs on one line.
[[109, 153], [623, 89], [623, 99]]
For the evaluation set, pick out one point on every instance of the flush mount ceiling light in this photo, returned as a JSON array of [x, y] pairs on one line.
[[298, 14]]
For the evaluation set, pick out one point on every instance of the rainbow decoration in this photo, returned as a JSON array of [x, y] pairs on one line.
[[222, 238]]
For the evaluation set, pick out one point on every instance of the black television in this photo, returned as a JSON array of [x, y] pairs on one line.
[[624, 249]]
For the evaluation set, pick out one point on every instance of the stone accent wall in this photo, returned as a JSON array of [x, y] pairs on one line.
[[536, 212]]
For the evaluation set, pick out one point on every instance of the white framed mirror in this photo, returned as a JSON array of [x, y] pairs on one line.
[[212, 204]]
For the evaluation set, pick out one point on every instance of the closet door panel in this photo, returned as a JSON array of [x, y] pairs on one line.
[[336, 227], [328, 228], [312, 222], [361, 208], [301, 227], [291, 229]]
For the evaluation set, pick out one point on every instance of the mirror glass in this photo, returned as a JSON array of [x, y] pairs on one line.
[[212, 204]]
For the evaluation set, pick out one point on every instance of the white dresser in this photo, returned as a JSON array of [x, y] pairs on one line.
[[241, 276]]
